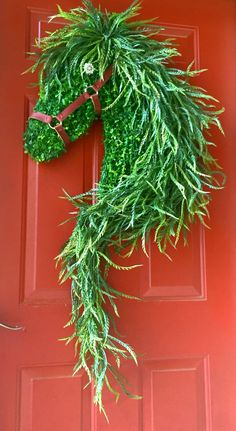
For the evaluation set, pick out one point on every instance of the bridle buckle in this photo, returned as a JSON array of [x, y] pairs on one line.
[[91, 91], [56, 121]]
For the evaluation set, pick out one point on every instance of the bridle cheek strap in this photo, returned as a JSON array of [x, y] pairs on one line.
[[59, 129], [59, 118]]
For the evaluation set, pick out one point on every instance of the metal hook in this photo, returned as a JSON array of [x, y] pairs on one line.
[[11, 328]]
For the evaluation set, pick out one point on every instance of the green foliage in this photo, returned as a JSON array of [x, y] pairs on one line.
[[157, 171]]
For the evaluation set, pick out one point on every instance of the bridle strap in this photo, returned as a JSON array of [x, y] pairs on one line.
[[59, 129]]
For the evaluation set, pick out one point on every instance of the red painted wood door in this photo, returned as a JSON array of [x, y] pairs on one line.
[[185, 325]]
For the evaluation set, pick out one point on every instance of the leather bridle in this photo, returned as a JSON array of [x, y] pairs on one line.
[[80, 100]]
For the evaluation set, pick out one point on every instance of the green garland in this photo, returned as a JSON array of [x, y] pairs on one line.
[[157, 172]]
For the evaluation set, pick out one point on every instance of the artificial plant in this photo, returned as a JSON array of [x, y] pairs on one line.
[[157, 171]]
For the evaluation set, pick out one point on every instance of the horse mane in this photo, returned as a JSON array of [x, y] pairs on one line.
[[157, 171]]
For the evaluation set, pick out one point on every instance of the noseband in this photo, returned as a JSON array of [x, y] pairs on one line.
[[91, 92]]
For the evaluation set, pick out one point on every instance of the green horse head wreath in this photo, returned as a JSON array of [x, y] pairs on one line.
[[157, 171]]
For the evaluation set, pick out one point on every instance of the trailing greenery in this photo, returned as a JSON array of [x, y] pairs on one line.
[[157, 171]]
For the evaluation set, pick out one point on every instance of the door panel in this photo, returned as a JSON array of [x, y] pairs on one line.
[[184, 327], [161, 390], [183, 278]]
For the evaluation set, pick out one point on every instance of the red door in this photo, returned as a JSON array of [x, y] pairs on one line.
[[184, 327]]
